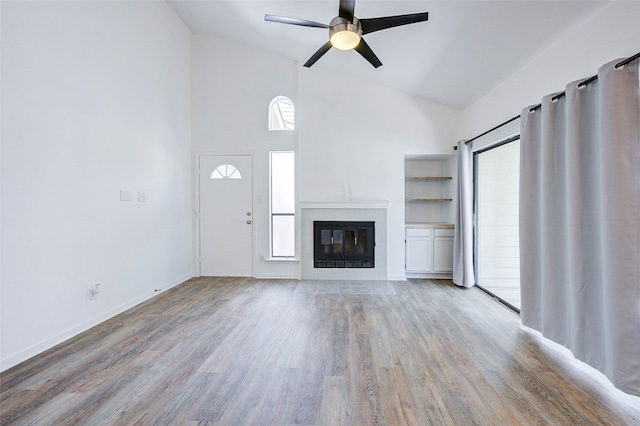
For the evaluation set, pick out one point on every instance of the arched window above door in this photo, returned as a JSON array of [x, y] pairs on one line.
[[281, 114], [225, 171]]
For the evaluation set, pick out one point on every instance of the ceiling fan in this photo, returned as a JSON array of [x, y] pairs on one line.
[[346, 31]]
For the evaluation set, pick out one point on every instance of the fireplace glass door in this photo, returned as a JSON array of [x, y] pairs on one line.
[[343, 244]]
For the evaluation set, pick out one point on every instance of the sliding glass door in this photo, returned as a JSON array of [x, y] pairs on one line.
[[497, 256]]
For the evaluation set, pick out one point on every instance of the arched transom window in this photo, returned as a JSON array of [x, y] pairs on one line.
[[281, 114], [225, 171]]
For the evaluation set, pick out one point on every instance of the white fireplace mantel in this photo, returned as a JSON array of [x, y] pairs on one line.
[[352, 204]]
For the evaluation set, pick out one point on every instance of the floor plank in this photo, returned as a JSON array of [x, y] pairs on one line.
[[242, 351]]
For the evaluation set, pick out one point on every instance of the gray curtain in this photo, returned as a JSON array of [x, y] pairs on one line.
[[580, 222], [463, 233]]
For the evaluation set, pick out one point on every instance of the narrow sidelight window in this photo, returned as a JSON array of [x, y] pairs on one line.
[[282, 204]]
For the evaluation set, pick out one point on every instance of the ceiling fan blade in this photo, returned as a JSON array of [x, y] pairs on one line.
[[347, 9], [366, 52], [324, 49], [294, 21], [377, 24]]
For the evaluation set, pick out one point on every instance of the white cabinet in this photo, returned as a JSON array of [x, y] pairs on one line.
[[443, 250], [429, 252], [419, 250]]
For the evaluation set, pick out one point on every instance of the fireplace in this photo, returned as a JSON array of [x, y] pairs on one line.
[[340, 244]]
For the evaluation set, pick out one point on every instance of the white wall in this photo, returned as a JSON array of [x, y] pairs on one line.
[[348, 132], [610, 33], [355, 133], [232, 86], [95, 99]]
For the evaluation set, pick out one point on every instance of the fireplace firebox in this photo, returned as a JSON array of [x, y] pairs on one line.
[[343, 244]]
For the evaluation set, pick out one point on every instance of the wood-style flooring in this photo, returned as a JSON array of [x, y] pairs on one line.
[[229, 351]]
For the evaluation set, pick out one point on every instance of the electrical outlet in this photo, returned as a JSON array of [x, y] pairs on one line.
[[142, 197]]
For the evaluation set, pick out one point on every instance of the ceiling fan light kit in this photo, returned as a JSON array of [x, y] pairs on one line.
[[343, 34], [346, 31]]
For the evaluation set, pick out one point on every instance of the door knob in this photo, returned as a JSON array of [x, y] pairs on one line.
[[248, 222]]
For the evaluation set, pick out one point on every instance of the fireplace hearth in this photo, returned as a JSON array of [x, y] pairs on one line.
[[343, 244]]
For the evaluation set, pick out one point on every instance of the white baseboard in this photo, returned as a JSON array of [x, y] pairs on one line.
[[276, 276], [396, 277], [22, 356], [436, 276]]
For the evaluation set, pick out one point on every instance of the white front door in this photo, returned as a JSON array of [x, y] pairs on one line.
[[226, 215]]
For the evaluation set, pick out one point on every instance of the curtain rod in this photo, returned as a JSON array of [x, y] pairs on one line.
[[555, 98]]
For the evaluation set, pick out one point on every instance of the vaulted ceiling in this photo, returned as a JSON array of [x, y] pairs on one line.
[[464, 50]]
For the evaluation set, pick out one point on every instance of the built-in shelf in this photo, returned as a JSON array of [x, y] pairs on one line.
[[429, 188], [428, 178], [428, 191]]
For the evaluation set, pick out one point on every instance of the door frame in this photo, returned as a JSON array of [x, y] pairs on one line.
[[196, 211]]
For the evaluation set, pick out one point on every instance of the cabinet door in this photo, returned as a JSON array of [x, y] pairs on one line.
[[418, 254], [443, 254]]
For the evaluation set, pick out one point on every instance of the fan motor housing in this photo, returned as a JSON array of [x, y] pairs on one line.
[[340, 24]]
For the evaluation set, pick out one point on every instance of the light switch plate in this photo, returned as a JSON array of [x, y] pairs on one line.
[[126, 195], [142, 197]]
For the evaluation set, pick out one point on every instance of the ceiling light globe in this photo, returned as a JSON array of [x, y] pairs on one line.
[[344, 35], [345, 40]]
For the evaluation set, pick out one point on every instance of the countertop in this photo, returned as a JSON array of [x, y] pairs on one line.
[[430, 225]]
